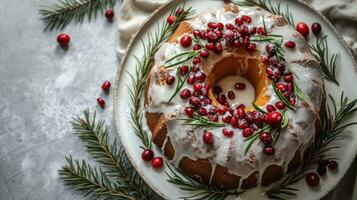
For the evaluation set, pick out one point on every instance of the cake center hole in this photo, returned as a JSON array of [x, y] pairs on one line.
[[237, 90]]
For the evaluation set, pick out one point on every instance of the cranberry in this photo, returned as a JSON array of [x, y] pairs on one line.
[[147, 155], [220, 26], [266, 138], [243, 124], [241, 113], [212, 25], [239, 21], [321, 170], [289, 78], [222, 99], [186, 41], [246, 18], [222, 110], [292, 101], [189, 111], [213, 118], [290, 87], [208, 137], [157, 162], [316, 28], [281, 87], [230, 26], [261, 30], [219, 34], [244, 30], [195, 102], [191, 79], [185, 93], [218, 48], [231, 95], [303, 29], [183, 70], [290, 44], [252, 47], [101, 102], [247, 132], [280, 105], [179, 11], [195, 69], [234, 120], [210, 46], [197, 87], [109, 14], [204, 54], [270, 108], [171, 19], [265, 59], [333, 165], [200, 76], [170, 80], [196, 33], [217, 89], [203, 35], [228, 132], [270, 49], [226, 119], [253, 30], [63, 39], [196, 47], [236, 43], [273, 118], [196, 60], [281, 66], [312, 179], [202, 111], [106, 85], [268, 150], [239, 86]]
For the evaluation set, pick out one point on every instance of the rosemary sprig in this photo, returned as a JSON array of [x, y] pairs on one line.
[[201, 191], [142, 70], [95, 183], [117, 178], [256, 107], [281, 97], [199, 121], [334, 124], [64, 12], [328, 62], [267, 5], [254, 137], [181, 58], [180, 83]]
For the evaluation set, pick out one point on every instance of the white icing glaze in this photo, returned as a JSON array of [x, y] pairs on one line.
[[229, 152]]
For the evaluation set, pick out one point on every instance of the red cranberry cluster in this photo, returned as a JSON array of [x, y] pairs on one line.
[[148, 155]]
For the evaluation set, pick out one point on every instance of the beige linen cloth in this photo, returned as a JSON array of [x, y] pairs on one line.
[[342, 14]]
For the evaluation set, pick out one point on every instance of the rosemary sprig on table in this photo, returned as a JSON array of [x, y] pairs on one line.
[[115, 178], [328, 62], [64, 12], [201, 191], [199, 121], [142, 70], [334, 124]]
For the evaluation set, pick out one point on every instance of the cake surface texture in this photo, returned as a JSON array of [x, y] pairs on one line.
[[224, 139]]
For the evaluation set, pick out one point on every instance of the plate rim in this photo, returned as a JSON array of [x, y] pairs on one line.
[[134, 37]]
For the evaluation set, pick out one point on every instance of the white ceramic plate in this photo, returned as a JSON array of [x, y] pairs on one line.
[[157, 180]]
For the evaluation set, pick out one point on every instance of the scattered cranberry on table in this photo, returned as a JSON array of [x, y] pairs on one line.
[[109, 14], [63, 39], [106, 85], [312, 179], [157, 162], [147, 155], [303, 28], [101, 102], [316, 28]]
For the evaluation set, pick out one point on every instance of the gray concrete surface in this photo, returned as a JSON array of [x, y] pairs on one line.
[[41, 88]]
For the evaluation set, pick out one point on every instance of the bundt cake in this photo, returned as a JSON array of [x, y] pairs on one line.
[[233, 98]]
